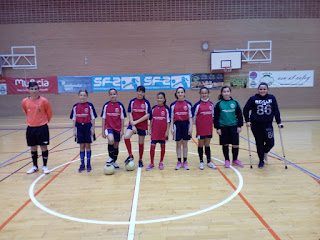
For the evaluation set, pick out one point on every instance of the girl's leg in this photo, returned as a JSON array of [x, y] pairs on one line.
[[178, 150], [82, 156], [110, 137], [45, 153], [185, 154], [235, 153], [200, 150], [141, 147], [163, 151], [269, 142], [115, 150], [259, 136], [152, 152], [88, 149], [127, 141], [225, 150], [207, 149]]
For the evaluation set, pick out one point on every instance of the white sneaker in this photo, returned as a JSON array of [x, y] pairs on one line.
[[45, 170], [266, 158], [201, 165], [115, 165], [211, 165], [32, 170]]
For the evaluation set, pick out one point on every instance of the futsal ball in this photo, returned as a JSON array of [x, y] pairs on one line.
[[108, 169], [130, 166]]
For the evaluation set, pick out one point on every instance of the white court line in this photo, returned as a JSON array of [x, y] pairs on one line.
[[133, 221], [134, 208]]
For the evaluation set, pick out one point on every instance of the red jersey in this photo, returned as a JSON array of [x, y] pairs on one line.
[[38, 111], [160, 117], [83, 112], [180, 111], [113, 112], [139, 108], [203, 113]]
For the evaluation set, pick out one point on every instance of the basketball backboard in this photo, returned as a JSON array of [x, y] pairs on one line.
[[222, 60]]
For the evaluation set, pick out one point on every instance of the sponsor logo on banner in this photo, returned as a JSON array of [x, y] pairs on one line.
[[209, 80], [20, 85], [166, 82], [72, 84], [303, 78], [120, 83]]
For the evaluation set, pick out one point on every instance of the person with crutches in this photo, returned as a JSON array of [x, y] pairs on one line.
[[264, 108]]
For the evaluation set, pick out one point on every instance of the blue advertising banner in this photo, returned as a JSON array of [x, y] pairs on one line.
[[120, 83], [72, 84], [166, 82]]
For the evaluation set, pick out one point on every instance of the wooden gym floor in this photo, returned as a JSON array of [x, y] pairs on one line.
[[239, 203]]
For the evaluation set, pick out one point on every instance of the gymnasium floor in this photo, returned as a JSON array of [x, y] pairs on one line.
[[234, 203]]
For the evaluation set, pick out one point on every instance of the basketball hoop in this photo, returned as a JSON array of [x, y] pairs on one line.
[[227, 69]]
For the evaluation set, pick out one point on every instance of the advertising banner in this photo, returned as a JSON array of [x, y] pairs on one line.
[[120, 83], [19, 85], [209, 80], [3, 86], [166, 82], [303, 78], [72, 84]]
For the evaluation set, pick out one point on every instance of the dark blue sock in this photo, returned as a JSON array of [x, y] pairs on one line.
[[82, 155], [88, 157]]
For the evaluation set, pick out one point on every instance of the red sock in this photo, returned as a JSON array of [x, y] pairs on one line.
[[141, 147], [163, 151], [128, 145], [152, 151]]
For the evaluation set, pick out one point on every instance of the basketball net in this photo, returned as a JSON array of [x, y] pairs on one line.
[[227, 70]]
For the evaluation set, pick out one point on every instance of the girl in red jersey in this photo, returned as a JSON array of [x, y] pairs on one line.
[[181, 118], [203, 118], [38, 111], [139, 111], [83, 115], [159, 128], [113, 114]]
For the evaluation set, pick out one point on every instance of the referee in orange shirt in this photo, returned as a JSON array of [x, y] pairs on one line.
[[39, 112]]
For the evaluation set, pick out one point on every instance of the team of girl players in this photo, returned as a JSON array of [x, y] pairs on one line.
[[225, 116]]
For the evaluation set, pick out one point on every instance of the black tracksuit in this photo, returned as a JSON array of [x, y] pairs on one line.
[[263, 110]]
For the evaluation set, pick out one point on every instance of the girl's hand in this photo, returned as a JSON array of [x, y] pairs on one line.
[[239, 129], [74, 132], [133, 123], [104, 134], [248, 124], [134, 129], [172, 131], [92, 131], [219, 132], [167, 134], [121, 134], [280, 125], [190, 131]]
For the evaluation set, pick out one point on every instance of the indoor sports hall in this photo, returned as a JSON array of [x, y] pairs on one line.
[[96, 45]]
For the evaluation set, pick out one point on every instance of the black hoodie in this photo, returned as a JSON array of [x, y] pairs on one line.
[[262, 109]]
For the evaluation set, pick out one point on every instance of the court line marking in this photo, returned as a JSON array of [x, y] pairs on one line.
[[264, 223], [134, 207], [30, 149], [302, 169], [35, 201]]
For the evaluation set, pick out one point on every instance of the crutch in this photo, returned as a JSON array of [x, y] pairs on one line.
[[249, 147], [284, 157]]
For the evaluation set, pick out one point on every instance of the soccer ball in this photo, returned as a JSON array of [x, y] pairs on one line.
[[130, 166], [108, 169]]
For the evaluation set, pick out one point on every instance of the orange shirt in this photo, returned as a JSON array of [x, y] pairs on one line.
[[38, 111]]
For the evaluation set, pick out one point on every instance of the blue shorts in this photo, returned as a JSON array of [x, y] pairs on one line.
[[181, 129], [158, 141], [140, 131], [116, 135], [84, 133], [204, 137]]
